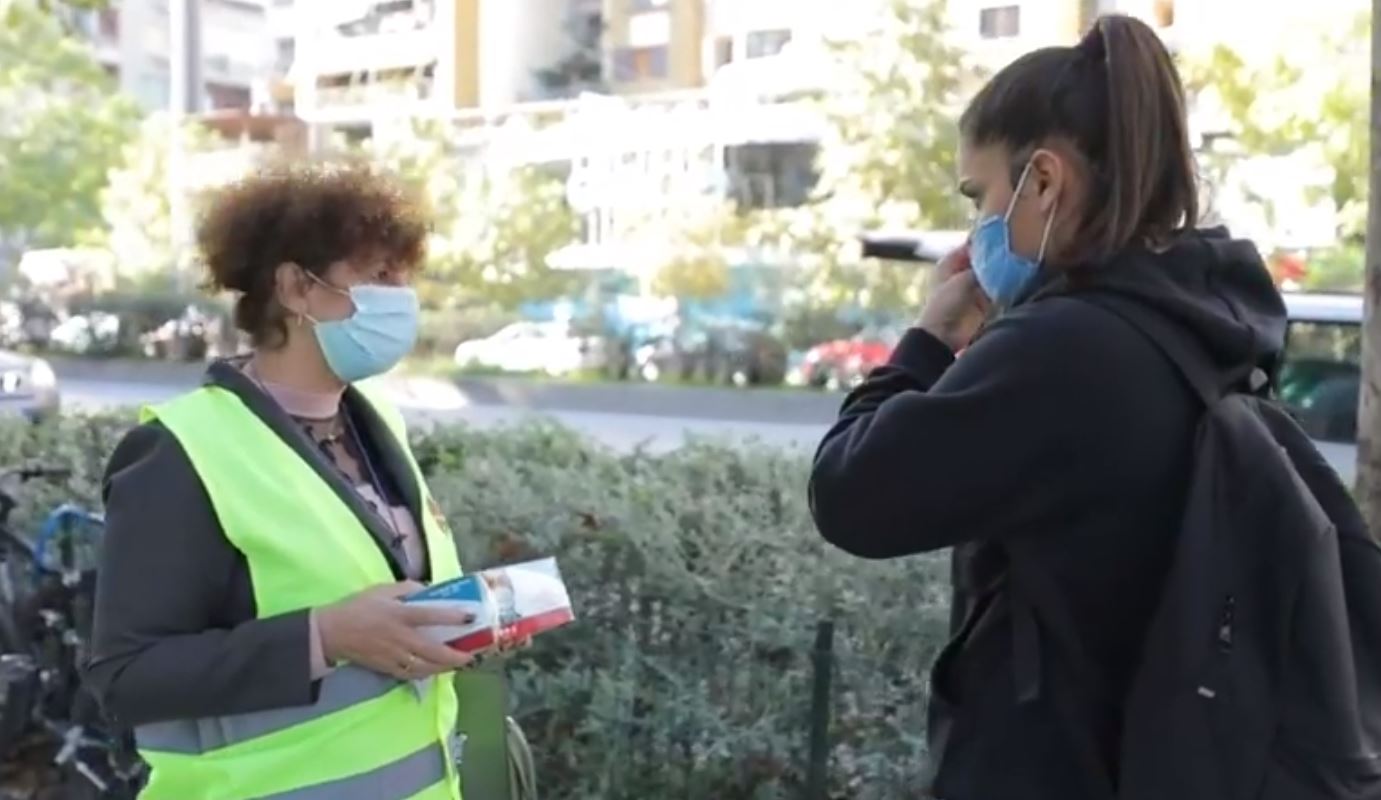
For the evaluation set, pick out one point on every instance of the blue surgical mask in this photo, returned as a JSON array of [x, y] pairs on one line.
[[1003, 274], [375, 338]]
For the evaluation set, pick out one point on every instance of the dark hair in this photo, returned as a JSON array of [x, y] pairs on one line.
[[313, 215], [1118, 99]]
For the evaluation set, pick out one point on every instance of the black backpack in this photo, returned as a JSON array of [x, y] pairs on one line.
[[1260, 673]]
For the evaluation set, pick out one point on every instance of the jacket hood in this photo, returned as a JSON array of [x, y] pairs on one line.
[[1216, 287]]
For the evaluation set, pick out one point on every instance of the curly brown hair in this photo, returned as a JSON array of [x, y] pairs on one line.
[[313, 215]]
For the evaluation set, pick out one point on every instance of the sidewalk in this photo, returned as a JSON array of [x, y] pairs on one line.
[[711, 403]]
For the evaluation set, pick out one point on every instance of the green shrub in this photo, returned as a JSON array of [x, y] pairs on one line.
[[698, 582]]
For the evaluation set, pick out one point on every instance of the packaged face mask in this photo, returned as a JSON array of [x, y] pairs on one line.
[[509, 604]]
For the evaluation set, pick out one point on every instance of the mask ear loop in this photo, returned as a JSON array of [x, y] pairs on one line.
[[1016, 191], [328, 287], [1049, 220], [1045, 237]]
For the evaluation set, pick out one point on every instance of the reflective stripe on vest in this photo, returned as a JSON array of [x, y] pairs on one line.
[[407, 777], [341, 689], [366, 736]]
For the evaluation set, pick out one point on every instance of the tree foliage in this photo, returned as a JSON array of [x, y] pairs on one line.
[[496, 224], [887, 161], [1307, 99], [62, 130], [135, 205], [695, 247]]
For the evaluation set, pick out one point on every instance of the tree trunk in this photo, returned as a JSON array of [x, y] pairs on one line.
[[1369, 423]]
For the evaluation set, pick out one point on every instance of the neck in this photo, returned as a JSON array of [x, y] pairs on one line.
[[284, 368]]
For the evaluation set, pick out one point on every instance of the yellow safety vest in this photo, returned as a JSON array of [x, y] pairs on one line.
[[367, 736]]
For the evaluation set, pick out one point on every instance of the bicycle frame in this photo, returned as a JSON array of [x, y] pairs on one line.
[[45, 612]]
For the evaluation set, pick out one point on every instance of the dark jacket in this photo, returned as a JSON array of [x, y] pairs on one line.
[[175, 630], [1059, 425]]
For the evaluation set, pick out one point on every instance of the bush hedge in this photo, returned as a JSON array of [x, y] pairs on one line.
[[698, 582]]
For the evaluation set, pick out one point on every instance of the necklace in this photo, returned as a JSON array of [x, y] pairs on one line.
[[325, 432], [329, 433], [396, 540]]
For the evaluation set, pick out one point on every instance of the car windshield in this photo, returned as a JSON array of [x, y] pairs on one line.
[[1320, 380]]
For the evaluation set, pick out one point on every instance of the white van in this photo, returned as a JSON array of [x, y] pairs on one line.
[[1321, 377]]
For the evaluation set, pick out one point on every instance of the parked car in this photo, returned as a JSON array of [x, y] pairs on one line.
[[28, 387], [546, 347], [183, 338], [96, 333], [729, 352], [1321, 377], [844, 363]]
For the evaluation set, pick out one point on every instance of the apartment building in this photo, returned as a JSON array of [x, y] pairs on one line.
[[132, 38], [653, 45], [354, 61]]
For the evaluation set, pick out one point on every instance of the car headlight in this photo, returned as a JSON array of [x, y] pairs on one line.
[[41, 375]]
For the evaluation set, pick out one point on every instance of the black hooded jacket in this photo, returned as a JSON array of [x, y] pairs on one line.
[[1059, 422]]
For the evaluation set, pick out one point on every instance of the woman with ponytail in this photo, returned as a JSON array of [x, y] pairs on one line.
[[1062, 436]]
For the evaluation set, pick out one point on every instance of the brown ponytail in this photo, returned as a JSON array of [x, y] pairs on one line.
[[1118, 98]]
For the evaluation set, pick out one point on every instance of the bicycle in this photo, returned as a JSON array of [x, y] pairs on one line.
[[48, 721]]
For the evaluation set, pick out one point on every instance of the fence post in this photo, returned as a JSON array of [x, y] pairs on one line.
[[822, 658]]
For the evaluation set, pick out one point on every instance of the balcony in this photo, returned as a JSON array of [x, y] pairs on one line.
[[367, 98], [334, 54]]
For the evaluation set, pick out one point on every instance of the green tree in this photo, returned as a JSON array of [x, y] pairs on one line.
[[888, 161], [495, 225], [62, 130], [135, 206], [1307, 100], [696, 251]]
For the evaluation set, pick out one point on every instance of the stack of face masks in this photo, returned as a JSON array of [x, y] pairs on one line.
[[508, 604]]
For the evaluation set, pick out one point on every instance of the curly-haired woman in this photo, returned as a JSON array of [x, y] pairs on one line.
[[263, 529]]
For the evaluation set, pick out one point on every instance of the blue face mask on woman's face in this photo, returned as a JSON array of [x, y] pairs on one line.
[[373, 339], [1003, 274]]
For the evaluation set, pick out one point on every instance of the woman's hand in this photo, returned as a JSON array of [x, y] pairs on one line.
[[377, 630], [957, 305]]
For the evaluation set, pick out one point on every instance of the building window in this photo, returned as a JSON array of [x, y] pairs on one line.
[[1001, 22], [108, 23], [218, 63], [647, 5], [1320, 379], [771, 175], [151, 90], [287, 51], [651, 29], [761, 44], [222, 96], [640, 63], [723, 50]]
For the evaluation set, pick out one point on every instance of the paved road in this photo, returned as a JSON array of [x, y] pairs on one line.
[[435, 400]]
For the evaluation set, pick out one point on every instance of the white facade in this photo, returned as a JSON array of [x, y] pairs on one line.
[[339, 44], [132, 39], [518, 38]]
